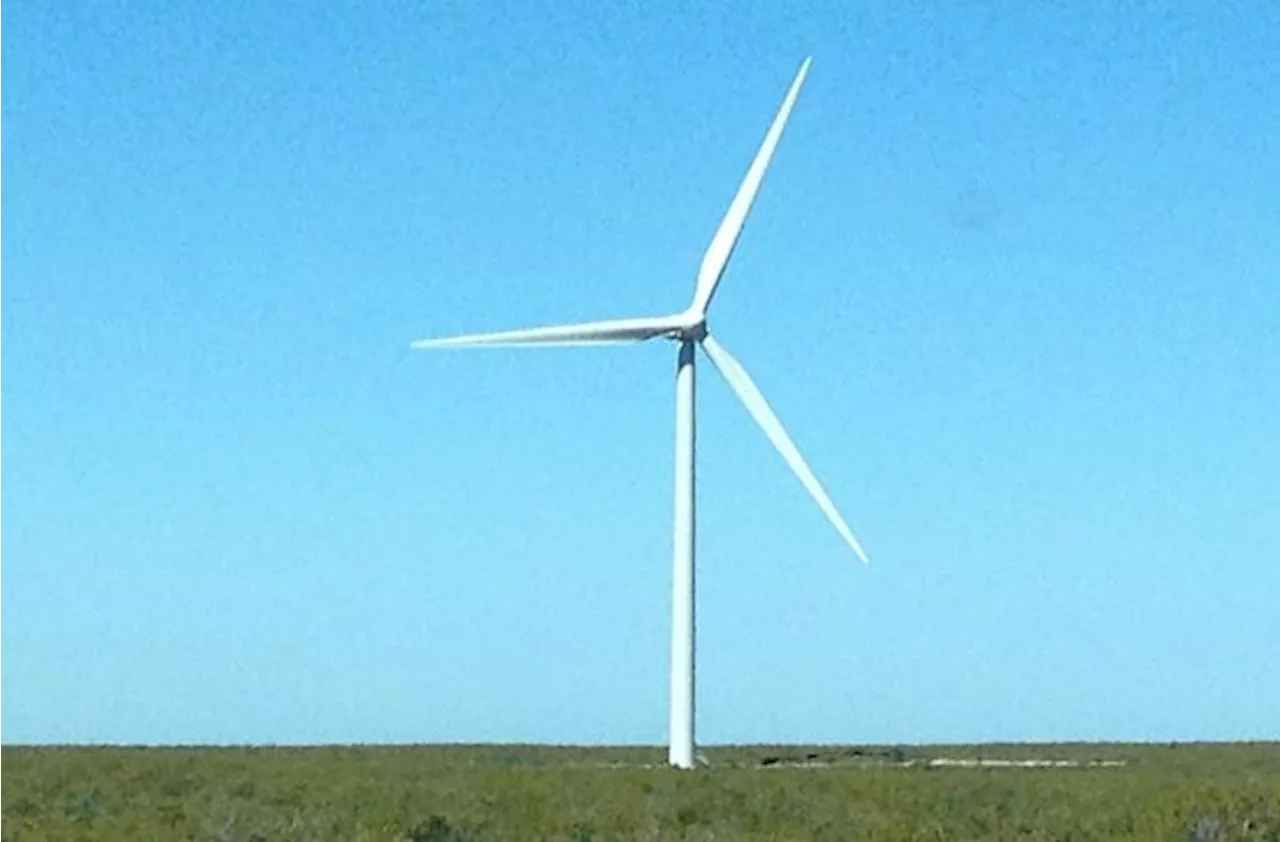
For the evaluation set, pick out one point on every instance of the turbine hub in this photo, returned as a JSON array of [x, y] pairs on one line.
[[695, 332]]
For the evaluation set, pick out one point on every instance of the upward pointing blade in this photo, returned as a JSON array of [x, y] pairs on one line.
[[726, 236], [588, 333], [746, 390]]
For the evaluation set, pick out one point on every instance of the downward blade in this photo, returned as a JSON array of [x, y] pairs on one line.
[[726, 236], [587, 333], [749, 394]]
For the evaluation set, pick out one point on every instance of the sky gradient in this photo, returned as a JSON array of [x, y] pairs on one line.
[[1011, 283]]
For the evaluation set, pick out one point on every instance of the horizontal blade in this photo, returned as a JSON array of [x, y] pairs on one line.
[[746, 390], [726, 236], [587, 333]]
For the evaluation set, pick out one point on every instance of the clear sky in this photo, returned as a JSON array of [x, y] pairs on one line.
[[1011, 283]]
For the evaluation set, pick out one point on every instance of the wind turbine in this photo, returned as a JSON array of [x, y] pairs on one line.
[[689, 329]]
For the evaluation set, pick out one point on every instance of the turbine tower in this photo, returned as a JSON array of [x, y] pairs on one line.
[[689, 330]]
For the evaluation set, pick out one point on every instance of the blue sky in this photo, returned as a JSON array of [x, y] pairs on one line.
[[1011, 284]]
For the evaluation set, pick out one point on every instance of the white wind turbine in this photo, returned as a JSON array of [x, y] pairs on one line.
[[689, 329]]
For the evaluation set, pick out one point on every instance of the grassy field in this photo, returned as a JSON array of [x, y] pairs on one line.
[[453, 793]]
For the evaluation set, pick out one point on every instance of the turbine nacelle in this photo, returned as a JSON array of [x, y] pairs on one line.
[[693, 328]]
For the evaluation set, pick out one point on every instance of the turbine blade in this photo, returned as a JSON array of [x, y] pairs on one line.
[[749, 394], [587, 333], [726, 236]]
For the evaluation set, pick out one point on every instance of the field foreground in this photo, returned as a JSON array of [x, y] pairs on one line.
[[1197, 792]]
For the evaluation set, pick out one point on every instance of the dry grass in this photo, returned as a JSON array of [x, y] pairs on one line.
[[1210, 793]]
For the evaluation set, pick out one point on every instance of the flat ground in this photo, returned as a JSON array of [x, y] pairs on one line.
[[1197, 792]]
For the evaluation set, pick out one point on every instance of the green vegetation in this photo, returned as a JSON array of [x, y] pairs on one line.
[[1204, 793]]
